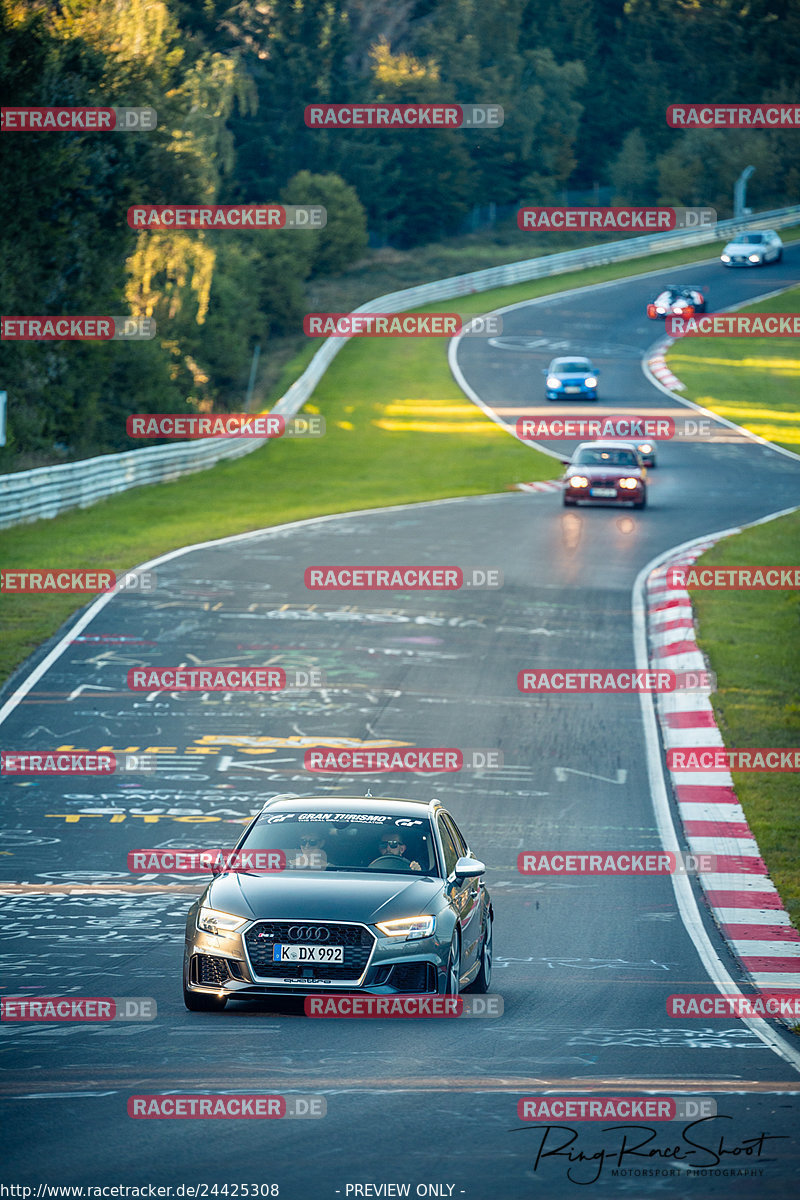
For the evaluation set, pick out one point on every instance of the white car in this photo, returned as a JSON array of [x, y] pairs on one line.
[[753, 249]]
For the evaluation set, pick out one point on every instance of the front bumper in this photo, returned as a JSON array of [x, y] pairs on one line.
[[741, 260], [622, 495], [240, 964], [562, 394]]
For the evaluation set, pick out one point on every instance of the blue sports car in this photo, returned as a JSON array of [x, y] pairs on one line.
[[571, 379]]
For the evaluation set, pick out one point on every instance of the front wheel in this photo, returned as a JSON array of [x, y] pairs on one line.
[[641, 503], [453, 976], [483, 980], [780, 256], [569, 503]]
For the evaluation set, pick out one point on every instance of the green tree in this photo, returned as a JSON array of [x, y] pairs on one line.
[[632, 173], [343, 240]]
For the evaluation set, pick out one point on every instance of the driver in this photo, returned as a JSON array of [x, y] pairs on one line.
[[392, 845]]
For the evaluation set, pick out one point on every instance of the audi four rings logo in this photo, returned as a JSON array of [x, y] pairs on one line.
[[309, 933]]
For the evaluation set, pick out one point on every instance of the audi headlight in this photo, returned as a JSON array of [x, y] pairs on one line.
[[409, 928], [553, 382], [645, 448], [754, 258], [660, 310], [629, 483], [725, 257], [578, 481], [591, 381], [211, 920]]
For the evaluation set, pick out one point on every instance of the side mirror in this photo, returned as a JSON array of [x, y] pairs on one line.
[[468, 868]]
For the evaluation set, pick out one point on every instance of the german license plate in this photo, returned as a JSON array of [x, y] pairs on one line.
[[572, 389], [308, 954], [602, 492]]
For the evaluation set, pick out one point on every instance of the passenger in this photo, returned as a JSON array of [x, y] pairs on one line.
[[311, 855]]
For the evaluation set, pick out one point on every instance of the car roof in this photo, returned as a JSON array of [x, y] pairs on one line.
[[572, 358], [391, 805]]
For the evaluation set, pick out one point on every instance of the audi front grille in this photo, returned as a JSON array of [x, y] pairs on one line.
[[263, 936]]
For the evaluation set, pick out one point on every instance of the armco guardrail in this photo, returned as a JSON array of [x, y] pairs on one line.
[[48, 491]]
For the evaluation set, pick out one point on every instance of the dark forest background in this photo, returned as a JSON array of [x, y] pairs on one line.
[[584, 85]]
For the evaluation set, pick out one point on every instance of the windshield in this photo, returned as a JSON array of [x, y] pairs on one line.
[[605, 458], [568, 366], [337, 841], [752, 239]]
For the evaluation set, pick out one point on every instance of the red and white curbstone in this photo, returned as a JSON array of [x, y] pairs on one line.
[[547, 485], [657, 365], [740, 894]]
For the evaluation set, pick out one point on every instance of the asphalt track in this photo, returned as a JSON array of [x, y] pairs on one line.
[[584, 965]]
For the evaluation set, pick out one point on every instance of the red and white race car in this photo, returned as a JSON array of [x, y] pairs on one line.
[[677, 301]]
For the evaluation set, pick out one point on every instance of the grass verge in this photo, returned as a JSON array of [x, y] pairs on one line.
[[752, 642], [752, 381]]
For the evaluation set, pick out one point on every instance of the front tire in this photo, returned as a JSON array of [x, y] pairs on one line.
[[641, 503], [453, 975], [483, 980]]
